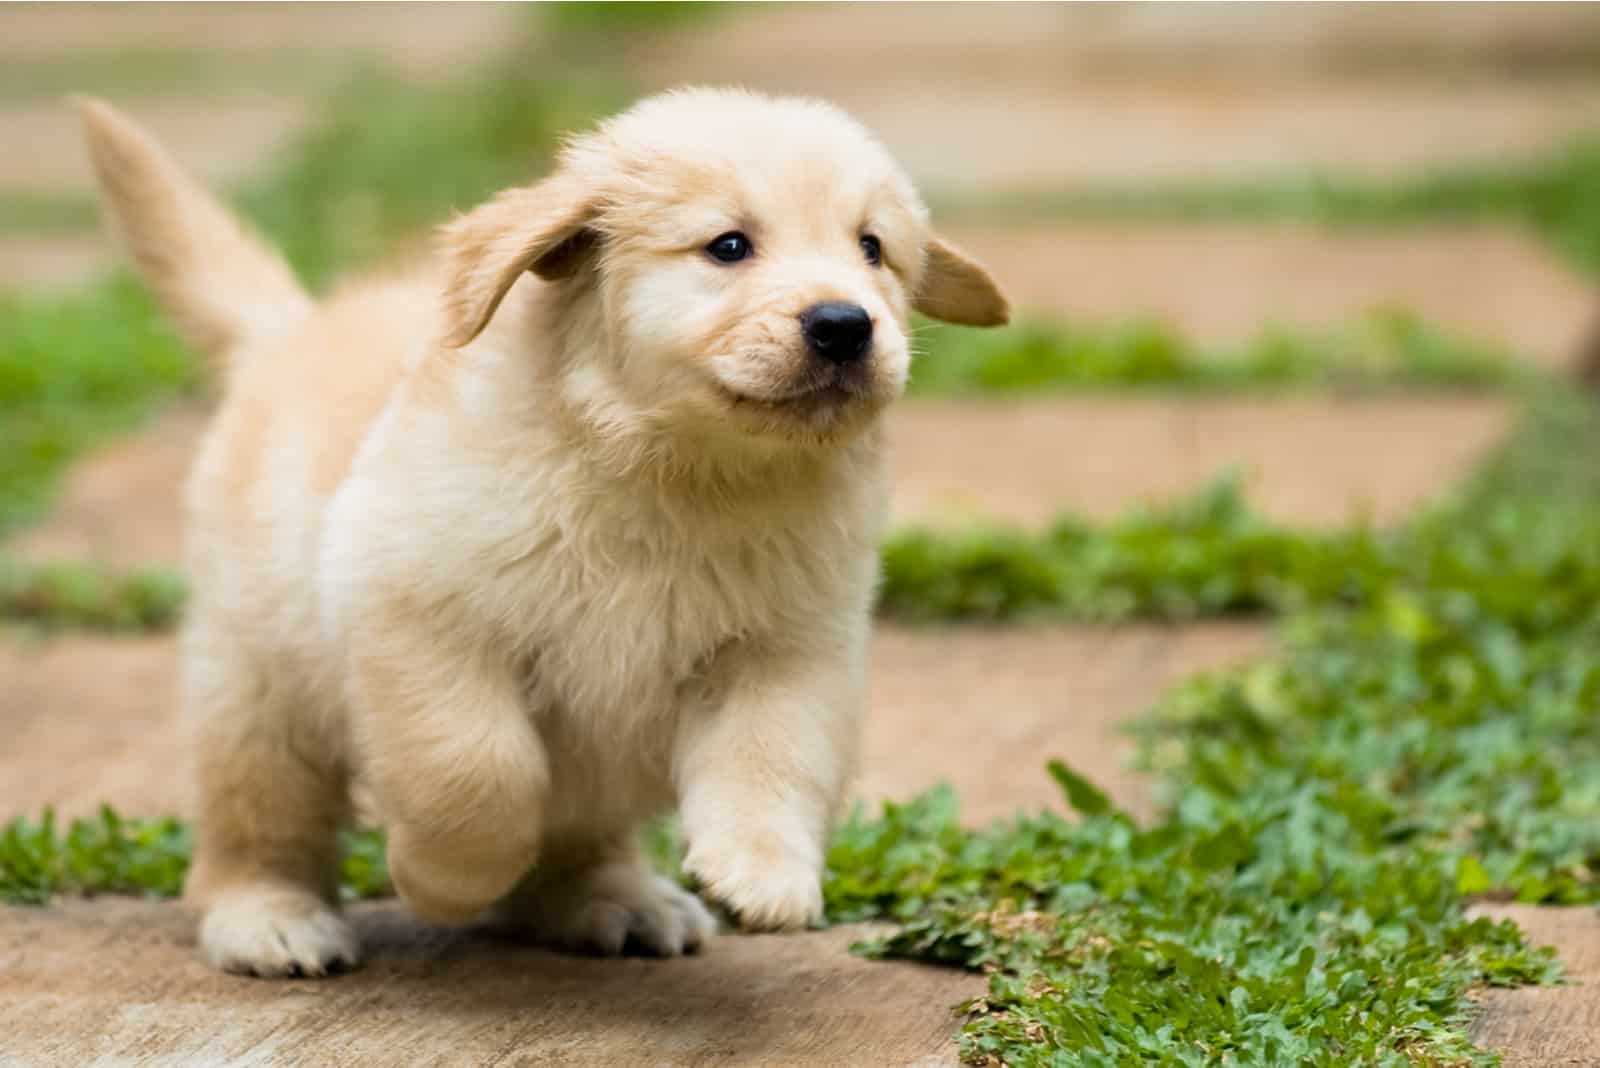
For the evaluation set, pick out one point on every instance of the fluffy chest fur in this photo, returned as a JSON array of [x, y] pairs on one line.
[[631, 596], [611, 597]]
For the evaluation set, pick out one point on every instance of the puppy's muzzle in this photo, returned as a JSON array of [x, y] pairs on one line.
[[837, 332]]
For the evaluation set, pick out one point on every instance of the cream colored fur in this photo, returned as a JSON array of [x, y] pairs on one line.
[[548, 538]]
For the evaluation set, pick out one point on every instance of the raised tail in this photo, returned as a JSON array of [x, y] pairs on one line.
[[219, 283]]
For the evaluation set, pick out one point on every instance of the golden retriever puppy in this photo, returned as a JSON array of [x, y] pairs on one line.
[[575, 525]]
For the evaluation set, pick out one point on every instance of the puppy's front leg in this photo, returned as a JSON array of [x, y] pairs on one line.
[[760, 779], [460, 773]]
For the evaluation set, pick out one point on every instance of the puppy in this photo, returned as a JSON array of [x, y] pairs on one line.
[[575, 525]]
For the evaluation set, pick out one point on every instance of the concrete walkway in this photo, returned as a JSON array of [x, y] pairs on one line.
[[114, 983]]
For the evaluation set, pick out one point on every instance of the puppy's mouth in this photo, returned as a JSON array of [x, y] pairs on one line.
[[819, 394]]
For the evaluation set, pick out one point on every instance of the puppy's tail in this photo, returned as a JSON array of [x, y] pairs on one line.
[[219, 283]]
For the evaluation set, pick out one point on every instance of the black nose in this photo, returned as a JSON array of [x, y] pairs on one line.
[[837, 332]]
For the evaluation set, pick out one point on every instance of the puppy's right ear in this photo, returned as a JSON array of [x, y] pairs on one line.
[[542, 228], [956, 289]]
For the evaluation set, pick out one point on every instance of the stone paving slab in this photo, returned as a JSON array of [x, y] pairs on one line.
[[220, 142], [121, 505], [427, 38], [984, 708], [90, 719], [1305, 459], [46, 264], [1381, 41], [1548, 1027], [1222, 284], [429, 996], [982, 96]]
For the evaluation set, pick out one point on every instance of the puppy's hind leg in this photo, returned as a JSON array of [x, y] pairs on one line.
[[600, 895], [272, 795]]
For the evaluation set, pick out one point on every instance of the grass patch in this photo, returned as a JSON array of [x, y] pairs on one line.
[[109, 854], [1388, 349], [73, 370], [46, 214], [1558, 196], [1267, 933], [603, 22], [65, 596], [1207, 556], [1329, 815], [105, 855]]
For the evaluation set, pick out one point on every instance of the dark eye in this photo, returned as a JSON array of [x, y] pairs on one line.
[[872, 248], [731, 247]]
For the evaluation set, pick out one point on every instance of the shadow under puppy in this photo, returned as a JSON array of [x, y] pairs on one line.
[[572, 525]]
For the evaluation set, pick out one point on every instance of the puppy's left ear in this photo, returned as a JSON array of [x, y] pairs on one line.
[[956, 289], [542, 228]]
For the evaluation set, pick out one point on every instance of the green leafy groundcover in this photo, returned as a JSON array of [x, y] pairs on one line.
[[1387, 349], [51, 596], [1427, 738], [1207, 556]]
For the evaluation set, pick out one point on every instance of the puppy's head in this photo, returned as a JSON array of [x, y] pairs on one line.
[[753, 262]]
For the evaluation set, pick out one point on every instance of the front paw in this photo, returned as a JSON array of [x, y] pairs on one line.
[[275, 931], [766, 886]]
